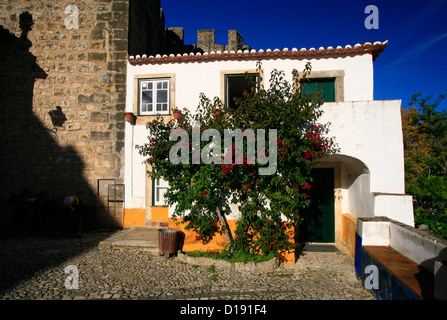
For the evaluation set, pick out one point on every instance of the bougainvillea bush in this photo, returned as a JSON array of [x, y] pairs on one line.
[[269, 203]]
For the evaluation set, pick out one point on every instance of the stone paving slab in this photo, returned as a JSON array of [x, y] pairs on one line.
[[35, 268]]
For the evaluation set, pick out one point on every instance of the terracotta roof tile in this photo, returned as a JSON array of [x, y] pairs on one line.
[[373, 48]]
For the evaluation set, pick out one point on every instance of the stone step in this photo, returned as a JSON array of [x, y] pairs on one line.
[[156, 224], [142, 237]]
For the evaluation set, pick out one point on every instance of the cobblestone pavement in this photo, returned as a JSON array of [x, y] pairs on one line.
[[34, 268]]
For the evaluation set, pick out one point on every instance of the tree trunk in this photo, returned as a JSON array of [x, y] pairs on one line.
[[225, 228]]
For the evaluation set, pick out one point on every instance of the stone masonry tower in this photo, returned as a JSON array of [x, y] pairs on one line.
[[62, 96], [206, 41]]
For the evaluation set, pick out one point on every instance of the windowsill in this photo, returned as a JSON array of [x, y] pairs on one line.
[[143, 120]]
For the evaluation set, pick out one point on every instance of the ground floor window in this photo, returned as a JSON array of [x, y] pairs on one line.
[[159, 188]]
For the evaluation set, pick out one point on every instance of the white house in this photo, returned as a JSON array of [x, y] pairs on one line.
[[366, 179]]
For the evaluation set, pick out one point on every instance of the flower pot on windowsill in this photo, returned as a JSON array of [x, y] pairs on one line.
[[177, 114], [129, 116]]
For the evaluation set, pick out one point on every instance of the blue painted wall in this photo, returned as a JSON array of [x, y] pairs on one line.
[[390, 287]]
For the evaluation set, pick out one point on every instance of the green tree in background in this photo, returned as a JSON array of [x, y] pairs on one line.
[[425, 147]]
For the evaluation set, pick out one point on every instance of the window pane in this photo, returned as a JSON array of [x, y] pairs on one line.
[[146, 107], [165, 107], [158, 106], [328, 90], [146, 97], [162, 96], [159, 196], [160, 188], [327, 87]]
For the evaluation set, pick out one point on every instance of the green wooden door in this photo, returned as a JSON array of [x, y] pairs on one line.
[[318, 224]]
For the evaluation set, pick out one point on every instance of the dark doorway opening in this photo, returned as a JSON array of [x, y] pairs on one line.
[[318, 224]]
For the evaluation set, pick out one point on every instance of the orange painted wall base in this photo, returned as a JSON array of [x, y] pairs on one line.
[[159, 213], [217, 243], [349, 227], [133, 217]]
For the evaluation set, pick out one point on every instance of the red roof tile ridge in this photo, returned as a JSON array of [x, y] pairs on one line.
[[374, 48]]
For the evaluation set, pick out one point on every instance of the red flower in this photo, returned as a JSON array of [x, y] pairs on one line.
[[306, 185], [227, 168], [204, 193], [278, 141], [308, 154]]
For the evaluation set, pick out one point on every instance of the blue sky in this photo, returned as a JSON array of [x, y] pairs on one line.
[[413, 61]]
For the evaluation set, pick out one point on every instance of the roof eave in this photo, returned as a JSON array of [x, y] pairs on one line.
[[373, 48]]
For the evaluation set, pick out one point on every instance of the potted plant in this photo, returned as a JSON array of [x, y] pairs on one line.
[[177, 113], [129, 116]]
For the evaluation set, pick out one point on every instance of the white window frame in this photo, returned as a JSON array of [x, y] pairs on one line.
[[159, 188], [154, 83]]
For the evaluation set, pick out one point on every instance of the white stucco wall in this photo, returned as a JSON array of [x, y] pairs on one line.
[[374, 233], [135, 169], [396, 207], [424, 249], [371, 131], [367, 130], [193, 78], [360, 201]]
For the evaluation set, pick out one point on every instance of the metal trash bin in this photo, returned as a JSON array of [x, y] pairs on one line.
[[168, 241]]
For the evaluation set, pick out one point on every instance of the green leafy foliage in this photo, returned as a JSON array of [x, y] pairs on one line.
[[431, 203], [202, 194], [425, 147]]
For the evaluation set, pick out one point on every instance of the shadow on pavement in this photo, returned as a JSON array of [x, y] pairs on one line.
[[22, 258]]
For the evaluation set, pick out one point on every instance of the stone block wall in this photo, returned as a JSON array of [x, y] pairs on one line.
[[146, 27], [63, 89], [206, 41]]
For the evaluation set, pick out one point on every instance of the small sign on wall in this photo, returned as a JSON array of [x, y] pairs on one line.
[[72, 20]]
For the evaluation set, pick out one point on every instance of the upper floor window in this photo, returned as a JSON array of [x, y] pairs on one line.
[[238, 84], [326, 85], [331, 83], [154, 96]]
